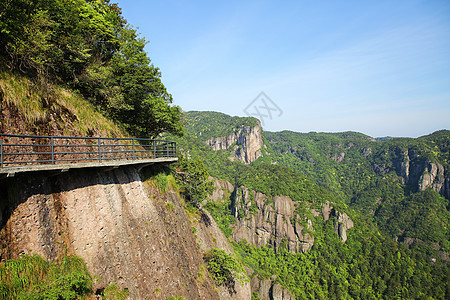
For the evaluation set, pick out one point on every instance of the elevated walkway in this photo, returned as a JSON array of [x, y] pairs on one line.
[[31, 153]]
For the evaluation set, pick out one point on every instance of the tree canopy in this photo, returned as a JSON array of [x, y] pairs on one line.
[[87, 45]]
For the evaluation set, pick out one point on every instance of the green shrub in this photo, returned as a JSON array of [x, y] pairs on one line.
[[113, 292], [224, 268]]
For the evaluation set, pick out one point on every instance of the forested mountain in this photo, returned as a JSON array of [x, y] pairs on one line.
[[331, 215]]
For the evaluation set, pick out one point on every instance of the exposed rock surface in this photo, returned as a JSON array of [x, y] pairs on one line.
[[342, 224], [222, 190], [268, 290], [247, 143], [118, 224], [418, 172], [262, 220]]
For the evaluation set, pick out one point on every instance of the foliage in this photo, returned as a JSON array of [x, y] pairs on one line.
[[358, 175], [160, 176], [422, 215], [367, 266], [113, 292], [31, 277], [87, 46], [224, 268], [39, 104], [221, 212], [194, 179], [176, 298], [205, 125]]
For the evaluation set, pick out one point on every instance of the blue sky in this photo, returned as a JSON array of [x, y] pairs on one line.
[[377, 67]]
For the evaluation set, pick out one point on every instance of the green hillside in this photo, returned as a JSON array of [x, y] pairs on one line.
[[360, 176], [88, 48]]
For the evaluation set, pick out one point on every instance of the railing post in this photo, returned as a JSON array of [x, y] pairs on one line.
[[134, 154], [167, 148], [154, 149], [99, 150], [53, 150], [1, 152]]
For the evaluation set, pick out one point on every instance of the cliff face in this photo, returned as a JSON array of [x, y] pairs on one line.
[[247, 143], [422, 173], [125, 230], [268, 290], [264, 221]]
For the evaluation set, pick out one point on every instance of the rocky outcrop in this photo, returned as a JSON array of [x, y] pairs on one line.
[[261, 222], [125, 230], [268, 290], [338, 157], [342, 224], [247, 143], [415, 170], [208, 235], [222, 190], [432, 176]]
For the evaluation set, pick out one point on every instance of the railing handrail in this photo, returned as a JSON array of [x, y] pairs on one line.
[[141, 148], [83, 138]]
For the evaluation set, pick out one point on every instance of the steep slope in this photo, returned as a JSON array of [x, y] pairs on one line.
[[323, 214], [28, 107], [127, 231]]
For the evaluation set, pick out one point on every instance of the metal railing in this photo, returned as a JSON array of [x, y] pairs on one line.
[[34, 149]]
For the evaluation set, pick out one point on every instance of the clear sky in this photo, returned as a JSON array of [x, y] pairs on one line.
[[377, 67]]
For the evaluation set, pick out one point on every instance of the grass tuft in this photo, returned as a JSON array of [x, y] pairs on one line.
[[32, 277]]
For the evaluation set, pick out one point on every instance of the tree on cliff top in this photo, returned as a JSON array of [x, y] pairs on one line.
[[88, 46]]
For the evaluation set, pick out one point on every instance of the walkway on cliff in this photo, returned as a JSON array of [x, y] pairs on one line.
[[27, 153]]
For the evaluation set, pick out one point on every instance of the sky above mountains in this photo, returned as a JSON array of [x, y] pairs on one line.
[[377, 67]]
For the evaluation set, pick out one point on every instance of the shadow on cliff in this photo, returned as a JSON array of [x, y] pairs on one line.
[[19, 189]]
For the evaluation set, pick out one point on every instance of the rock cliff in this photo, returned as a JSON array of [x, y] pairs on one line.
[[421, 173], [262, 220], [246, 141], [268, 290], [123, 227]]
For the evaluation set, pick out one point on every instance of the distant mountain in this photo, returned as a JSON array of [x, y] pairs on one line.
[[321, 193], [383, 139]]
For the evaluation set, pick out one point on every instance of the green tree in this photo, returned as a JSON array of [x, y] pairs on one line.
[[194, 179]]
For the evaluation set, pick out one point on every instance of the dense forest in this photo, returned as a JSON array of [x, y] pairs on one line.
[[401, 243]]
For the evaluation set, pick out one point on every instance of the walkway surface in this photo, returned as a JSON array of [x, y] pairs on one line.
[[29, 153]]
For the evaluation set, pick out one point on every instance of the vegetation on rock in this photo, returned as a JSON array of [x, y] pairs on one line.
[[224, 268]]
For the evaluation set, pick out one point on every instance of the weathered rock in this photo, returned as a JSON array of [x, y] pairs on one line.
[[222, 190], [208, 235], [338, 157], [326, 211], [262, 287], [342, 224], [418, 172], [267, 290], [280, 293], [248, 143], [269, 224], [433, 176]]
